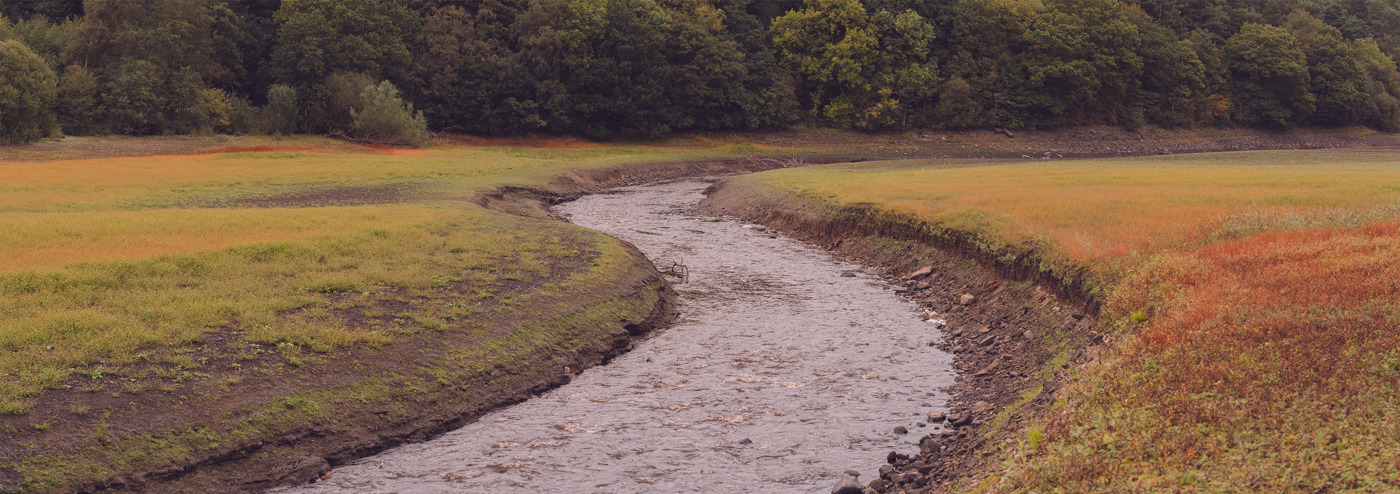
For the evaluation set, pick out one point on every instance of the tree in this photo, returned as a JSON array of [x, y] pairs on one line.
[[1383, 105], [856, 69], [169, 34], [317, 38], [956, 108], [282, 109], [28, 89], [1335, 76], [77, 100], [1084, 53], [45, 38], [133, 98], [1269, 73], [984, 47], [386, 118], [1173, 77], [831, 46]]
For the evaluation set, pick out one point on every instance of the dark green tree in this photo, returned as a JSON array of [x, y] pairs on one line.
[[77, 101], [1173, 77], [1383, 105], [28, 89], [1269, 73], [317, 38], [1084, 54], [1335, 75]]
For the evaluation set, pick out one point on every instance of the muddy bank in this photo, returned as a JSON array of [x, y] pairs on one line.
[[1013, 330]]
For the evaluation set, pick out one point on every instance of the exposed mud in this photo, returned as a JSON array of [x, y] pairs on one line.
[[780, 374], [323, 196]]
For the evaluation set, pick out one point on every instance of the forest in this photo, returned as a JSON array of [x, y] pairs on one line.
[[389, 70]]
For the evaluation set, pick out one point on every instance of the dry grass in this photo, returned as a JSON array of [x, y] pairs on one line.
[[1255, 299], [1092, 211]]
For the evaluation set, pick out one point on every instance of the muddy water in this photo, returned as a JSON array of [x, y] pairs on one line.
[[779, 375]]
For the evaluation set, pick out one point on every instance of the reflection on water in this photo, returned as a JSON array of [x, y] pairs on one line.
[[779, 375]]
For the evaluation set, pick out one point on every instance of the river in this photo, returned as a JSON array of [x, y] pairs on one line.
[[780, 374]]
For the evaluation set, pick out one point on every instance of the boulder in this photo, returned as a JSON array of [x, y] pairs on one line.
[[922, 272], [847, 485]]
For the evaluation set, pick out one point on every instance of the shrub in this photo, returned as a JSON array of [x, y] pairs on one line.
[[281, 109], [77, 100], [386, 118], [28, 90]]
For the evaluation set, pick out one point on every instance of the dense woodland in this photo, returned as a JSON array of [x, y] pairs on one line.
[[389, 69]]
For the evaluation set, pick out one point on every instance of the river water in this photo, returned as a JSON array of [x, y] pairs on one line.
[[779, 375]]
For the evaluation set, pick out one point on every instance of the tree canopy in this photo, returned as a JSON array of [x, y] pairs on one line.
[[642, 68]]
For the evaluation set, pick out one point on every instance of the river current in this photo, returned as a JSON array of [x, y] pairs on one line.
[[780, 374]]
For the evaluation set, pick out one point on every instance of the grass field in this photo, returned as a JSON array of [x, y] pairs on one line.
[[1254, 300], [254, 267]]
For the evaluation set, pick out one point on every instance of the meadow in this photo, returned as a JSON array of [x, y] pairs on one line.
[[246, 272], [1252, 302]]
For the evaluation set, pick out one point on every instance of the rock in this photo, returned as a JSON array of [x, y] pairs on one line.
[[922, 272], [987, 340], [901, 430], [885, 470], [1028, 334], [982, 407], [847, 485], [869, 490], [746, 441], [936, 416], [877, 486], [1078, 316], [984, 330], [853, 473], [923, 468], [959, 420], [901, 289], [848, 274], [967, 299], [1004, 132]]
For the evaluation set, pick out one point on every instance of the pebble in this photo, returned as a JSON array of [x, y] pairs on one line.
[[967, 299], [901, 430], [848, 274]]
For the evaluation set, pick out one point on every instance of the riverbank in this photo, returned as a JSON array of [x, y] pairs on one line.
[[1211, 303]]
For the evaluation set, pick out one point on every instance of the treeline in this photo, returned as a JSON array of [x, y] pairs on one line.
[[390, 69]]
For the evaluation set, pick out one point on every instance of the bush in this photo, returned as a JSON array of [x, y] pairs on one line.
[[77, 100], [28, 90], [343, 97], [386, 118], [281, 115], [132, 98]]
